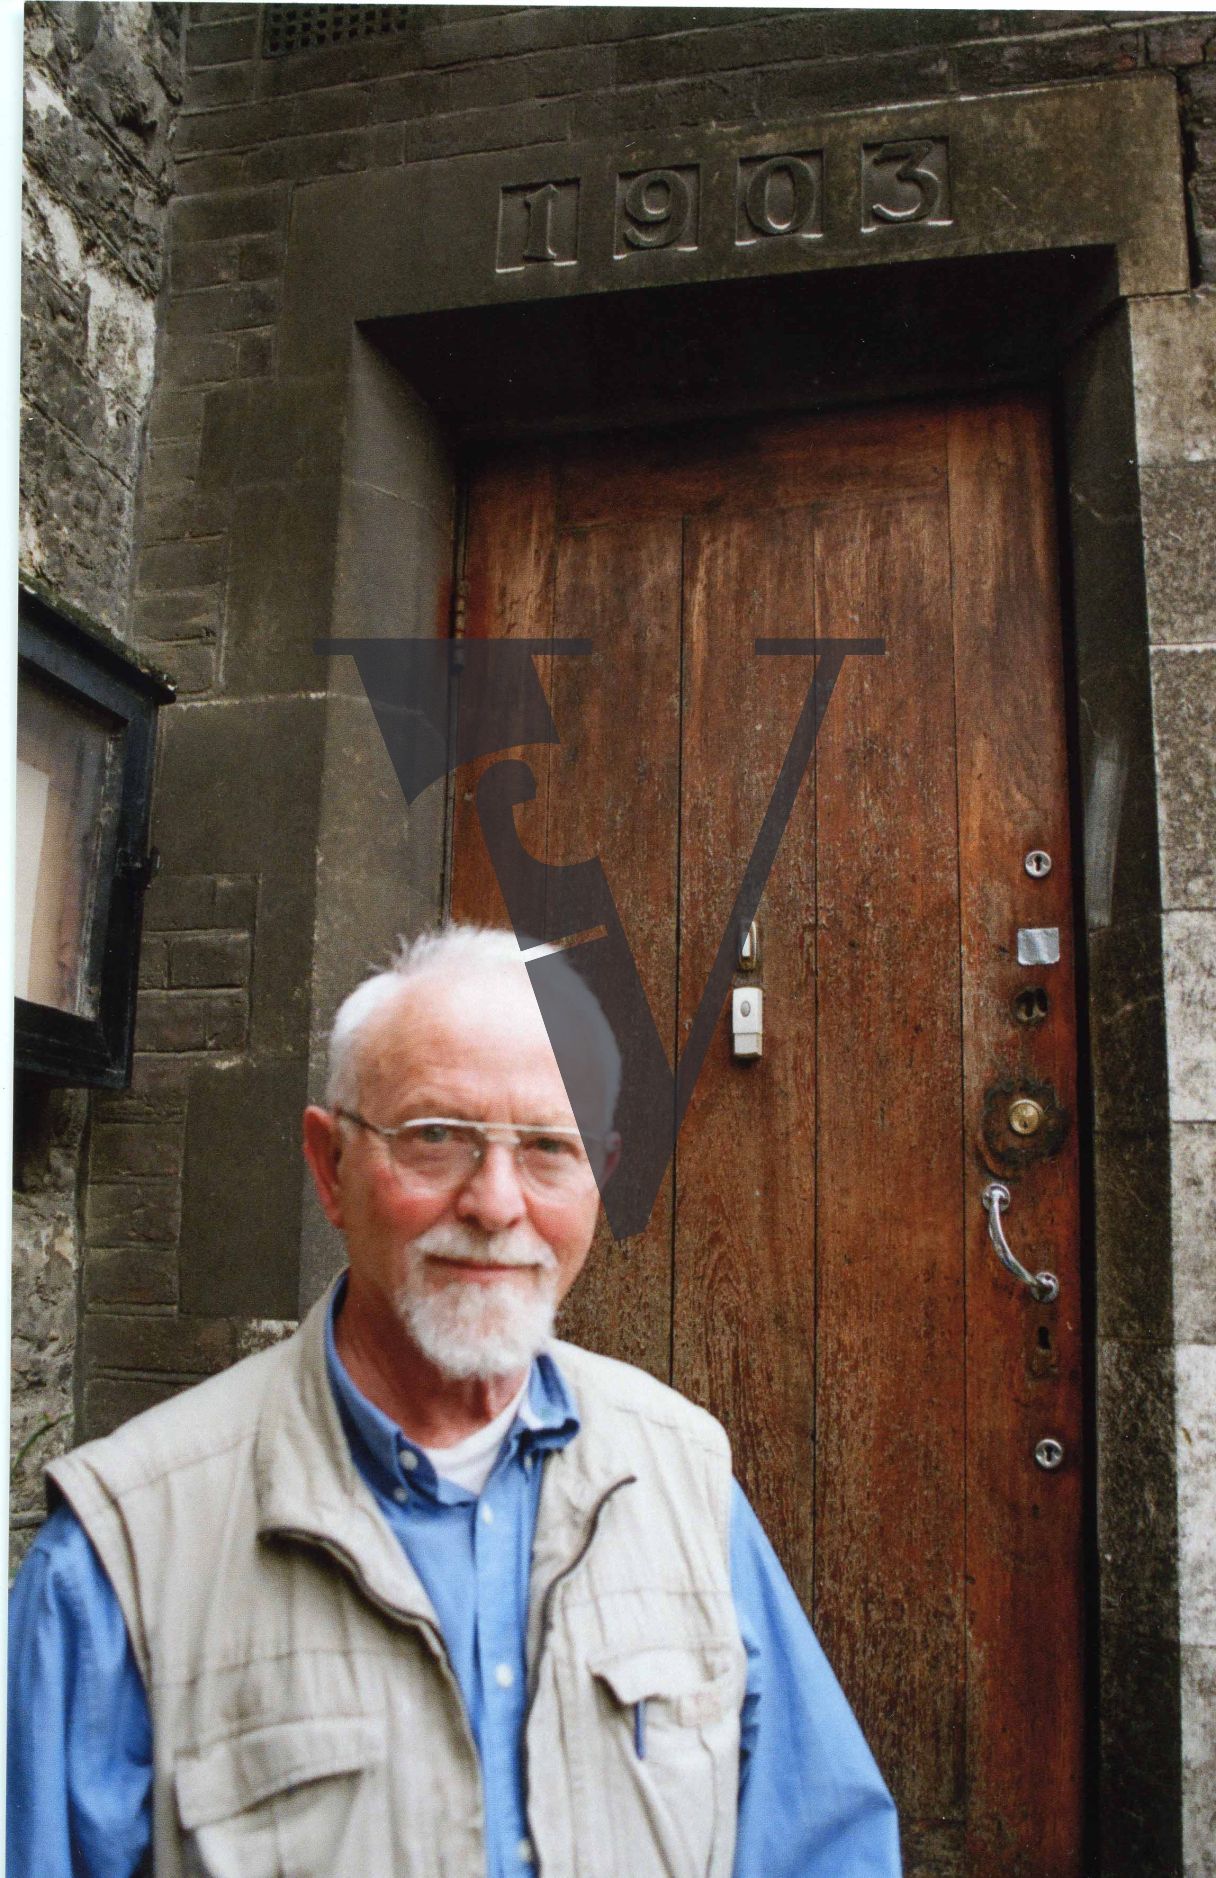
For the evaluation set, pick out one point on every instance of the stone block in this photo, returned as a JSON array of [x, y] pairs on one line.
[[157, 1093], [759, 41], [1138, 1799], [1199, 1761], [204, 264], [281, 588], [1127, 1029], [261, 257], [229, 307], [162, 1341], [289, 431], [543, 75], [109, 1401], [209, 959], [180, 564], [1196, 1383], [133, 1212], [1180, 43], [131, 1274], [1184, 707], [190, 613], [1193, 1208], [242, 1190], [134, 1150], [184, 517], [212, 86], [1137, 1493], [1174, 354], [236, 900], [221, 42], [193, 360], [330, 153], [191, 1020], [175, 415], [503, 127], [344, 107], [256, 353], [1132, 1230], [243, 212], [1032, 61], [1178, 504], [410, 95], [169, 465], [189, 664], [153, 964], [1190, 1002], [245, 126], [204, 175]]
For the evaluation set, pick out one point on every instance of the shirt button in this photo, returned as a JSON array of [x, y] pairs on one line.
[[400, 1495], [527, 1470], [487, 1515], [504, 1675], [409, 1460], [523, 1851]]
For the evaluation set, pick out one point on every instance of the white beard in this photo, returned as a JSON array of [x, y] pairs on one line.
[[471, 1329]]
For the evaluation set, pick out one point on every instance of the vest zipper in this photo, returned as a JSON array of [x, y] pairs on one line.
[[411, 1620], [628, 1480]]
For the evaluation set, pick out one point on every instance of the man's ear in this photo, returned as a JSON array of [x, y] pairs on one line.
[[323, 1152]]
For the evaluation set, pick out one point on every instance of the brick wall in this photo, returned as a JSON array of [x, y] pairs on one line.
[[101, 87]]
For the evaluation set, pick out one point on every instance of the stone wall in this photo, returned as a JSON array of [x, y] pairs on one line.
[[1175, 362], [101, 87]]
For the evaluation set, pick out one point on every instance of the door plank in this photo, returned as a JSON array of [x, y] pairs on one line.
[[615, 793], [510, 563], [775, 464], [1025, 1720], [889, 1361], [744, 1254]]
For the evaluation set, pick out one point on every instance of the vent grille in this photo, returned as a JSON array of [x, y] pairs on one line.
[[308, 29]]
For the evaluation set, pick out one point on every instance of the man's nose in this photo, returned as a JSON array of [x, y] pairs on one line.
[[493, 1195]]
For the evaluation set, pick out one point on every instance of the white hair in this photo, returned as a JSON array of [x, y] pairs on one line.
[[463, 950]]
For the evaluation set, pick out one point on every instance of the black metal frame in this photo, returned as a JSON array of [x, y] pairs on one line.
[[89, 664]]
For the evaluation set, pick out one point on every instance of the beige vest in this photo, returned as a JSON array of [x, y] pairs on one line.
[[306, 1718]]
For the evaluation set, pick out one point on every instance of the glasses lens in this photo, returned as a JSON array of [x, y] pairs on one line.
[[552, 1161], [440, 1154]]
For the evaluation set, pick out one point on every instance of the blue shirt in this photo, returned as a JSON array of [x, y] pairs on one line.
[[811, 1803]]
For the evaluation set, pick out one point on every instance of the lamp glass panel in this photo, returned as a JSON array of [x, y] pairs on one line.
[[68, 782]]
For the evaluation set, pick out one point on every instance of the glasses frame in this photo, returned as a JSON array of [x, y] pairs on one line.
[[487, 1130]]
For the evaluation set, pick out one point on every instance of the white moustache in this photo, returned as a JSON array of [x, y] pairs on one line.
[[514, 1250]]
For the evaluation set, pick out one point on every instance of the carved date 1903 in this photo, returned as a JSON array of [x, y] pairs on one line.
[[778, 197]]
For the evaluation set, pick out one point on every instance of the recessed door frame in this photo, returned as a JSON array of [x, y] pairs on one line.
[[406, 431]]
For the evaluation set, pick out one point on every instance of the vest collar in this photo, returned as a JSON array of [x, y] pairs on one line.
[[310, 1491]]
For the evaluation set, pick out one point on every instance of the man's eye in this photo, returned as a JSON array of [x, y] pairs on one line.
[[432, 1134], [550, 1146]]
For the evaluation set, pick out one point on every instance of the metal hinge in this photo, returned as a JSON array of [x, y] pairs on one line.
[[137, 870]]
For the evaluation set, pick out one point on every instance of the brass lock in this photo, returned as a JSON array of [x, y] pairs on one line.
[[1025, 1116]]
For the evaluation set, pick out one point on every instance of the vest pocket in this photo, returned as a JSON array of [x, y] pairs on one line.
[[277, 1800], [671, 1714]]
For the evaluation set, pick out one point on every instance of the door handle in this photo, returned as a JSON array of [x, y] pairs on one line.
[[1045, 1285]]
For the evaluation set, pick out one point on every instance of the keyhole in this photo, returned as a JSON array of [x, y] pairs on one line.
[[1044, 1337], [1030, 1006]]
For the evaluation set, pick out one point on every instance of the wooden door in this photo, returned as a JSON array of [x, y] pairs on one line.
[[817, 1269]]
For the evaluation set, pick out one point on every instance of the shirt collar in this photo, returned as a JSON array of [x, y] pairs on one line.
[[547, 1417]]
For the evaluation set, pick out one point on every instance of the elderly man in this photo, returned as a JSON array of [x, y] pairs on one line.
[[421, 1591]]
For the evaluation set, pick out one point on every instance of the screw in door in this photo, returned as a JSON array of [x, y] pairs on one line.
[[1049, 1454], [1038, 863]]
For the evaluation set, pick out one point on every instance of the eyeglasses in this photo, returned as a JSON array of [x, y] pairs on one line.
[[442, 1152]]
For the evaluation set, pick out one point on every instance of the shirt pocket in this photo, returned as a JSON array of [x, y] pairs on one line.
[[672, 1718], [279, 1801]]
